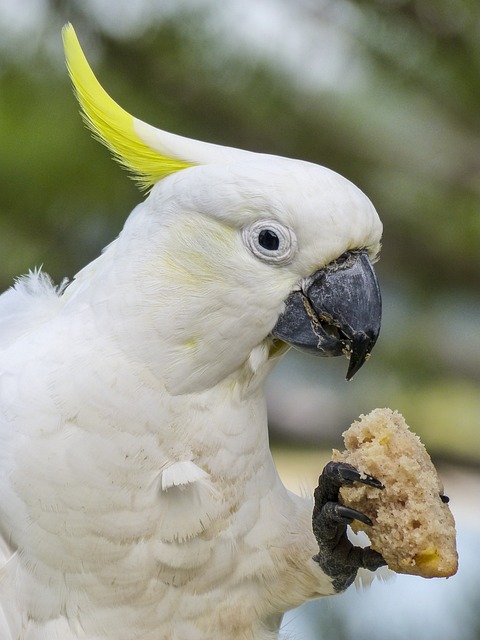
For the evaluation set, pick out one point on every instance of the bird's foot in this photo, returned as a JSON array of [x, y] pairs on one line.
[[337, 556]]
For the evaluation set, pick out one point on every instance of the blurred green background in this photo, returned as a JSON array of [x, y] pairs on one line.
[[386, 92]]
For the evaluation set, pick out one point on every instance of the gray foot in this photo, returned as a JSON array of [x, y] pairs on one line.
[[337, 557]]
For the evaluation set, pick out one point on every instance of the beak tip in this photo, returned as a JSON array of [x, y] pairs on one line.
[[351, 372], [359, 354]]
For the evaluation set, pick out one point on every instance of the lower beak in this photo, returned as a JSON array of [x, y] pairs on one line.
[[337, 311]]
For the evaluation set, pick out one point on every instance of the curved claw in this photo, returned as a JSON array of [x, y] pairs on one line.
[[350, 474], [349, 514], [336, 475], [344, 473]]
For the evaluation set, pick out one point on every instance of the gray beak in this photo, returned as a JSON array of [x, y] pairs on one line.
[[336, 311]]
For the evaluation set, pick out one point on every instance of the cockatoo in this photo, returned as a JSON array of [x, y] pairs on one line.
[[139, 499]]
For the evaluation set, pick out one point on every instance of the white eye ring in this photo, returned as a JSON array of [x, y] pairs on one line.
[[270, 241]]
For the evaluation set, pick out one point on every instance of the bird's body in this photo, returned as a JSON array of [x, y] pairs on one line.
[[139, 499], [110, 512]]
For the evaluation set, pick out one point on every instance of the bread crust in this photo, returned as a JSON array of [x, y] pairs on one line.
[[413, 527]]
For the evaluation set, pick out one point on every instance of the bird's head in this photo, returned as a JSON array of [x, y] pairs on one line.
[[239, 254]]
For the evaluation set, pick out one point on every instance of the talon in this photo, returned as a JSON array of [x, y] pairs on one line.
[[347, 513], [371, 481], [350, 474], [340, 473]]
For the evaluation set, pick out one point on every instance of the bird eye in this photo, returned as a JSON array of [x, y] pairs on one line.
[[270, 241]]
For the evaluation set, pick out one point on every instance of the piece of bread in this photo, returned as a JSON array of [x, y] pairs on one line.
[[413, 527]]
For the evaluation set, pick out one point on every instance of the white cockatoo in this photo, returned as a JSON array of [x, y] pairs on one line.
[[139, 499]]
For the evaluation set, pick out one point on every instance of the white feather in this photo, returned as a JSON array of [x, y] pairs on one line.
[[31, 301], [182, 473]]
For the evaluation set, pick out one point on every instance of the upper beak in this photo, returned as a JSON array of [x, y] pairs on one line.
[[337, 310]]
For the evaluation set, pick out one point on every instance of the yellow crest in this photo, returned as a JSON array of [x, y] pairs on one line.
[[111, 124]]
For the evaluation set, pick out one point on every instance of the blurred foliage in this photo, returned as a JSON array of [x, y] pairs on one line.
[[402, 122]]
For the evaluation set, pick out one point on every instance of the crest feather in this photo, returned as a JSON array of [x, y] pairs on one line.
[[111, 124]]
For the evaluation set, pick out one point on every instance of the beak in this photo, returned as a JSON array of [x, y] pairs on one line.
[[337, 311]]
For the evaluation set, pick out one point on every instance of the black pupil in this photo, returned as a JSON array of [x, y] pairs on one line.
[[268, 240]]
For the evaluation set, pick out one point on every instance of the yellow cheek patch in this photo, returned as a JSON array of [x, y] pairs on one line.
[[199, 254], [111, 124], [191, 344]]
